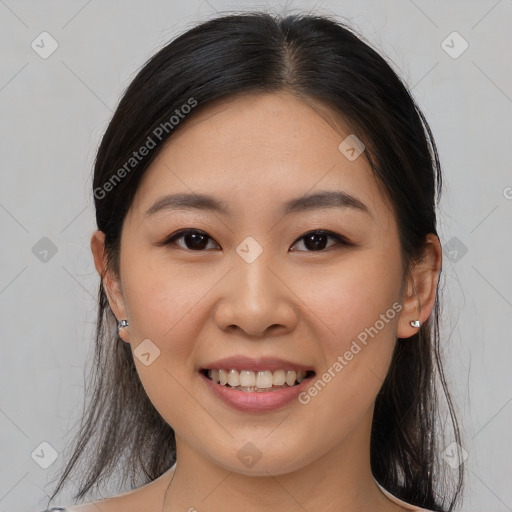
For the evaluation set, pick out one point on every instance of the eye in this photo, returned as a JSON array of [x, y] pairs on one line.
[[197, 240], [316, 240]]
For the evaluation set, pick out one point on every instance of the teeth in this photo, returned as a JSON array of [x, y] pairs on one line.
[[290, 378], [247, 378], [250, 381], [279, 377], [264, 379], [233, 378], [223, 377]]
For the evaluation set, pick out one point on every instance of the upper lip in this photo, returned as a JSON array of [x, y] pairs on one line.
[[241, 362]]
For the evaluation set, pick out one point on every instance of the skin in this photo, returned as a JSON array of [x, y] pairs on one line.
[[294, 302]]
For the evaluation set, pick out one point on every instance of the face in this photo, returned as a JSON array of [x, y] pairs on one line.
[[317, 284]]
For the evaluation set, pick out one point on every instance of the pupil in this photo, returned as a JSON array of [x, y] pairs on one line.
[[199, 241], [317, 244]]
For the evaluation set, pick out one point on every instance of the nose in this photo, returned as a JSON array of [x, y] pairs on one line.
[[257, 298]]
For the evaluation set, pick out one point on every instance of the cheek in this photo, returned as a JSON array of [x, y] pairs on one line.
[[160, 296], [349, 298], [356, 337], [164, 308]]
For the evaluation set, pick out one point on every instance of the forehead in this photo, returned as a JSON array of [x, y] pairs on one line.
[[258, 150]]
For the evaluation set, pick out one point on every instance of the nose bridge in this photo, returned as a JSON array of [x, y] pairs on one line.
[[253, 263], [254, 298]]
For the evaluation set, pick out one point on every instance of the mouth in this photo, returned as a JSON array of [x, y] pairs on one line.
[[264, 380]]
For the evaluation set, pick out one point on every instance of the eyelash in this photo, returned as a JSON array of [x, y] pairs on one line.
[[340, 240]]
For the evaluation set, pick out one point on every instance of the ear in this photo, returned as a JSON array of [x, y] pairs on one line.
[[421, 286], [111, 283]]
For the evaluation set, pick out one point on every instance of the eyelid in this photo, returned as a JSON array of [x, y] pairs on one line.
[[340, 240], [171, 239]]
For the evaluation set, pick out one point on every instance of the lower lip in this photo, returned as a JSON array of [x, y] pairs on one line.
[[256, 400]]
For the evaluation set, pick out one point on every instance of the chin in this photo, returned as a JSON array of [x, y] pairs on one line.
[[260, 465]]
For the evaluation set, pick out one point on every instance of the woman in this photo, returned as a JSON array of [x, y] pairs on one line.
[[266, 207]]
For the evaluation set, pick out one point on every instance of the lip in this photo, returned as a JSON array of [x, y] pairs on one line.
[[257, 401], [254, 364]]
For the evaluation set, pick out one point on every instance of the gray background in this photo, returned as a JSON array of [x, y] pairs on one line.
[[53, 112]]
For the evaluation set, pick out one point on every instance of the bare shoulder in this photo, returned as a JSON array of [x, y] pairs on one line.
[[113, 504], [120, 503], [148, 498]]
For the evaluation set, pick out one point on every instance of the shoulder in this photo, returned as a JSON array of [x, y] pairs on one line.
[[84, 507], [112, 506], [76, 508], [88, 507], [149, 496]]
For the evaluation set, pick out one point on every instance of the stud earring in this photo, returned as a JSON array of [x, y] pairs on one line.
[[415, 323], [121, 324]]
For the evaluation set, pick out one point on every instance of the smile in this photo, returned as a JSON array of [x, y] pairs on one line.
[[256, 391], [257, 381]]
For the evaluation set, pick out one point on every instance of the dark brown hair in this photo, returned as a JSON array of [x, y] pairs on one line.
[[313, 57]]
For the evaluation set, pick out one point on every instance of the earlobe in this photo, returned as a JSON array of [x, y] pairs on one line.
[[111, 283], [421, 287]]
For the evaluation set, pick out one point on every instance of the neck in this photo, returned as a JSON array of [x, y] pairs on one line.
[[340, 480]]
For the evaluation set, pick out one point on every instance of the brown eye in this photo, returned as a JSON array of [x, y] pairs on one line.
[[194, 239], [316, 241]]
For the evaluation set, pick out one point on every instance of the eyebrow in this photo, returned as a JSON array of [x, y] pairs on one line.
[[318, 200]]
